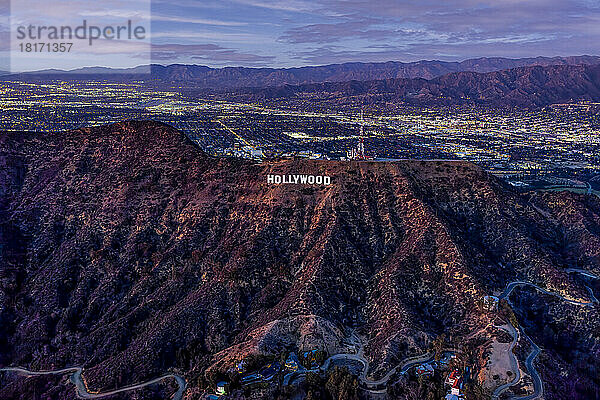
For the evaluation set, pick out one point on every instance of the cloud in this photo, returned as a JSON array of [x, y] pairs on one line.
[[305, 32], [234, 56], [121, 14], [352, 26], [210, 35], [173, 50], [4, 40], [205, 52], [333, 54], [193, 20], [278, 5], [69, 12], [463, 25]]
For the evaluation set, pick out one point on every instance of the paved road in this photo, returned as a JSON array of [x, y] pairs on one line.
[[84, 393], [409, 363], [583, 272], [404, 366], [82, 390], [589, 275], [513, 360], [538, 387], [347, 357], [511, 286]]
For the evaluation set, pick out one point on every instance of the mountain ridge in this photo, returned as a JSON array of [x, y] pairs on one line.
[[236, 77], [531, 86]]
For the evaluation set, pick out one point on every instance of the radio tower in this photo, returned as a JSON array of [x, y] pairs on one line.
[[359, 152]]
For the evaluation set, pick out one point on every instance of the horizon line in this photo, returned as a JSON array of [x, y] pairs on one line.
[[57, 70]]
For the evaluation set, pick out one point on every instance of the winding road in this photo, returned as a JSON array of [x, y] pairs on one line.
[[538, 387], [589, 275], [514, 332], [582, 272], [404, 366], [511, 286], [84, 393]]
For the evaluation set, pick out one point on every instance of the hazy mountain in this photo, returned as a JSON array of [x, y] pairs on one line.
[[525, 86], [127, 250], [236, 77]]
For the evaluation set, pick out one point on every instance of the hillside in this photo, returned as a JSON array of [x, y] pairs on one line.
[[532, 86], [128, 251]]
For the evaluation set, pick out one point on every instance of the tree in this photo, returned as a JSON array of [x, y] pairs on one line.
[[314, 380], [438, 346], [507, 311], [312, 395], [342, 385], [314, 386]]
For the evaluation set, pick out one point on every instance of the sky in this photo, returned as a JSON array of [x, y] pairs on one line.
[[269, 33]]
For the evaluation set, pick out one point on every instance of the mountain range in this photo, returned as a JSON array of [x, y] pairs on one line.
[[128, 251], [532, 86], [237, 77]]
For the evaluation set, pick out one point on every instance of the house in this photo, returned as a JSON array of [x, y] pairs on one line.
[[456, 389], [456, 382], [256, 153], [292, 364], [453, 377], [222, 388], [424, 370]]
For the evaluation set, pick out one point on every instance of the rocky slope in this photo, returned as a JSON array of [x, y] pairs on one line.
[[127, 250]]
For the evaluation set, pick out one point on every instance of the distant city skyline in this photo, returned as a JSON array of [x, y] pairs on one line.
[[295, 33]]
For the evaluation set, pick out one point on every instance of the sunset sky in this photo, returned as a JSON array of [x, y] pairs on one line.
[[298, 32]]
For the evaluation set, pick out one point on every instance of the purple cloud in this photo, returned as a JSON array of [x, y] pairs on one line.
[[455, 29], [351, 26], [308, 32], [205, 52]]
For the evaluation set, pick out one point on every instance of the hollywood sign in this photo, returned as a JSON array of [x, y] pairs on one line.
[[299, 179]]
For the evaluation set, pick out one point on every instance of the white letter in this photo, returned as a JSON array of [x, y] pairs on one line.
[[327, 180], [303, 179], [311, 179], [277, 179], [270, 178]]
